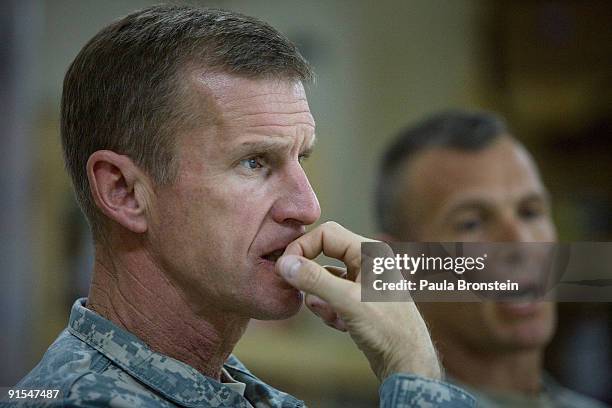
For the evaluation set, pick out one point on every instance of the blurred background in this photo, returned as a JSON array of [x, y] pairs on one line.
[[546, 65]]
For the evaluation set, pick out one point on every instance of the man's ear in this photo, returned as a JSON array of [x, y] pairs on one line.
[[119, 189]]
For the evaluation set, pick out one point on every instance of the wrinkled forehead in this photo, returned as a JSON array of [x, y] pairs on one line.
[[248, 110], [502, 171], [225, 85], [235, 97]]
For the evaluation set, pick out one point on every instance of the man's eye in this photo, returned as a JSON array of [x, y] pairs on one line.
[[530, 213], [251, 163], [468, 225], [303, 157]]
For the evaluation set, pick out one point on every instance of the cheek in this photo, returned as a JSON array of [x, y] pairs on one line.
[[225, 214], [231, 211], [433, 232], [548, 232], [541, 229], [241, 204]]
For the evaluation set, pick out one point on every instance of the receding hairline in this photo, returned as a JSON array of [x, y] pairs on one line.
[[457, 128], [407, 189], [199, 86], [208, 87]]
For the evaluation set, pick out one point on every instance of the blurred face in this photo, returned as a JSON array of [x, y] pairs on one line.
[[241, 196], [494, 194]]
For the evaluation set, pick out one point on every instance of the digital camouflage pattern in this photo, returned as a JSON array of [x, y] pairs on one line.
[[405, 390], [95, 363], [553, 395]]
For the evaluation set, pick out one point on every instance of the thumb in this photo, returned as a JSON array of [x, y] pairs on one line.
[[310, 277]]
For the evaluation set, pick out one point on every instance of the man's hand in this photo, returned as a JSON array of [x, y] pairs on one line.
[[392, 335]]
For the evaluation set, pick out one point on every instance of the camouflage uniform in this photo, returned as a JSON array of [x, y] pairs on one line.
[[553, 396], [95, 363]]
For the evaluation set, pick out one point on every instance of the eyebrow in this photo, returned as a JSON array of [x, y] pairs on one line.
[[309, 147], [480, 204], [269, 146], [543, 196], [468, 204]]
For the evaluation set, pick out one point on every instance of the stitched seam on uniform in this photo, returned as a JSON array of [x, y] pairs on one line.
[[130, 370], [288, 398], [442, 383], [155, 385], [101, 349], [116, 361], [102, 361], [73, 382]]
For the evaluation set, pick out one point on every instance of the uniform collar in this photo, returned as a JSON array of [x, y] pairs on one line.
[[173, 379]]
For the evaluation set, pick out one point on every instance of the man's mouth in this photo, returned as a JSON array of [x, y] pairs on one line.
[[525, 294], [274, 255]]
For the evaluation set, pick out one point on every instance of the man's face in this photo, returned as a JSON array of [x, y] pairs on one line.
[[494, 194], [240, 197]]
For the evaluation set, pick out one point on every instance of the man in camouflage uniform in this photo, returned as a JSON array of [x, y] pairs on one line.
[[183, 131], [460, 176]]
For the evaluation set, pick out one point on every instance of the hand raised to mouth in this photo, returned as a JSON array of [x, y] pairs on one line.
[[392, 335]]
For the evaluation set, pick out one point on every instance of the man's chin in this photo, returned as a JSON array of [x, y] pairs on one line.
[[280, 307], [520, 326], [526, 326]]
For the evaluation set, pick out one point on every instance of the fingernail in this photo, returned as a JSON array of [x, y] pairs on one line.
[[315, 301], [289, 266], [315, 305]]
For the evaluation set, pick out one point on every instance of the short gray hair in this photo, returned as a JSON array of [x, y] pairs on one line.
[[122, 92]]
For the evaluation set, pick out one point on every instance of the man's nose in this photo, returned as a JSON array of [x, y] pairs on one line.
[[297, 201], [513, 230]]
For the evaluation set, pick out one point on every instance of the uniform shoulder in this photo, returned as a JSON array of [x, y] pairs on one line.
[[112, 388], [84, 378], [564, 397], [63, 362], [569, 398]]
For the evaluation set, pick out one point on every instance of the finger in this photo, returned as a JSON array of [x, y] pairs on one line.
[[332, 240], [339, 324], [310, 277], [324, 311], [315, 301], [336, 270], [321, 308]]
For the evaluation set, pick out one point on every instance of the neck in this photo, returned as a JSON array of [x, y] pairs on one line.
[[131, 291], [516, 371]]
